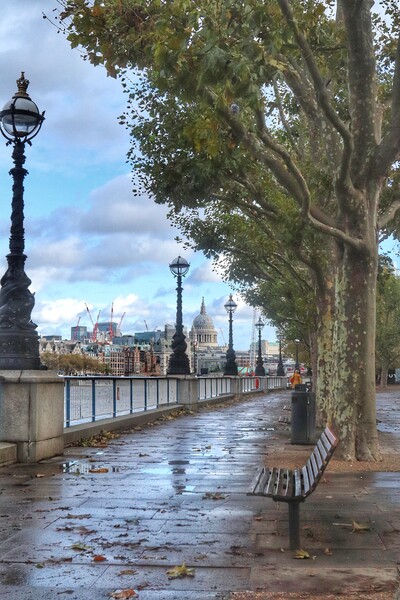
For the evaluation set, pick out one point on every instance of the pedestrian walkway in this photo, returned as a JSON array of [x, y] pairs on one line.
[[103, 520]]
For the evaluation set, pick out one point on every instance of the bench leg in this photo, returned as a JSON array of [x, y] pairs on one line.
[[294, 525]]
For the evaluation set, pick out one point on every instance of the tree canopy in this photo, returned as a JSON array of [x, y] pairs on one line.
[[282, 112]]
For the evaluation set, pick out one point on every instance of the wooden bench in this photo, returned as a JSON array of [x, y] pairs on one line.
[[293, 486]]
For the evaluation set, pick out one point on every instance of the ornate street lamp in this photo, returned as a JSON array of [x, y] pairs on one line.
[[20, 122], [260, 371], [280, 370], [297, 364], [179, 361], [230, 365]]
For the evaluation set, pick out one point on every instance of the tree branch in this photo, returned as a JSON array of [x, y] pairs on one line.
[[322, 95], [388, 150], [389, 214]]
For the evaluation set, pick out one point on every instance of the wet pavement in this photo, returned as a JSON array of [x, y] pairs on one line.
[[100, 521]]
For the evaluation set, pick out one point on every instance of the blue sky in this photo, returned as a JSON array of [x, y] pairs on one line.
[[87, 238]]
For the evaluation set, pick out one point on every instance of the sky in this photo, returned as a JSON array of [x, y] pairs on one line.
[[88, 239]]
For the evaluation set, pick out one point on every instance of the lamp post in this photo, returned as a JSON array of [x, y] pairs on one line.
[[20, 122], [230, 365], [195, 357], [297, 364], [260, 371], [280, 372], [179, 361]]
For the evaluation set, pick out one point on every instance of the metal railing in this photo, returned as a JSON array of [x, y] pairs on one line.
[[212, 387], [89, 399], [92, 398]]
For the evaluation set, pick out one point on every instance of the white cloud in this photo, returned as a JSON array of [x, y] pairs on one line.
[[88, 239]]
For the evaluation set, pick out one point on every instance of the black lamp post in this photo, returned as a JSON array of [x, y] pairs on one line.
[[179, 361], [297, 364], [260, 371], [194, 357], [20, 122], [280, 370], [230, 365]]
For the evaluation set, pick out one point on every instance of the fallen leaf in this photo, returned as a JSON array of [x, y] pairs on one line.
[[39, 475], [80, 547], [301, 554], [328, 552], [359, 527], [181, 571], [127, 572], [122, 594], [213, 496], [99, 558], [102, 470]]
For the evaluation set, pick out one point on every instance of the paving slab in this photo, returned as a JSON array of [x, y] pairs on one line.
[[96, 520]]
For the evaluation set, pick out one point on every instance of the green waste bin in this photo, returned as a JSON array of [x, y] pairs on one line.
[[303, 417]]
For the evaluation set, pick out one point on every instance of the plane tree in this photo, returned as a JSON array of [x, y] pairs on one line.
[[388, 320], [306, 99]]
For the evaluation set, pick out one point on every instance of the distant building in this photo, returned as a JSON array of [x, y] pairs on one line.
[[203, 332], [146, 337], [268, 349], [51, 338], [79, 333]]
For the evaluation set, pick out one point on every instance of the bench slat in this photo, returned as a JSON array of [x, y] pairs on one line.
[[314, 466], [284, 487], [311, 477], [331, 437], [306, 481], [298, 483], [322, 450], [260, 479], [318, 458]]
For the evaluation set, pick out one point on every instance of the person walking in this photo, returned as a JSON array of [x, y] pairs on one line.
[[295, 379]]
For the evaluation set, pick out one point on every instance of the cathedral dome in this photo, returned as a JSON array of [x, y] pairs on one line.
[[203, 331]]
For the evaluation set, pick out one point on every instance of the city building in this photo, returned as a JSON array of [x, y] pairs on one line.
[[79, 333], [203, 333]]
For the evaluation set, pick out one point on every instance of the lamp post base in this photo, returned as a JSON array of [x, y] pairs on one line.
[[19, 350]]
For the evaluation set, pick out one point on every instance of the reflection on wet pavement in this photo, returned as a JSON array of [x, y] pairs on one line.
[[93, 521]]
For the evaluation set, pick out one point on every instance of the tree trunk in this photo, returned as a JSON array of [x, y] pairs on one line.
[[384, 374], [353, 411], [323, 387]]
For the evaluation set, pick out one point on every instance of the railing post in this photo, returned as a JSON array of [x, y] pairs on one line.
[[187, 390], [114, 397], [67, 403], [93, 400], [131, 395]]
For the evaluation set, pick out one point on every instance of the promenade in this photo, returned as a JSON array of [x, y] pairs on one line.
[[101, 521]]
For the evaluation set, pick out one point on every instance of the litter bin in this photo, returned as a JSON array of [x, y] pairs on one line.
[[303, 417]]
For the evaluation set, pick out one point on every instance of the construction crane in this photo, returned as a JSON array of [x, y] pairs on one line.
[[111, 333], [120, 323], [146, 325], [90, 317], [96, 327], [223, 337]]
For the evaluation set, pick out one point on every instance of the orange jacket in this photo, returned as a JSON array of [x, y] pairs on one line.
[[295, 379]]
